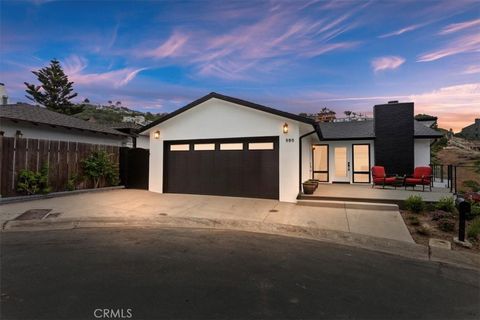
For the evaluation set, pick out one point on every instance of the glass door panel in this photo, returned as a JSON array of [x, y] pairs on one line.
[[341, 164], [361, 163], [320, 162]]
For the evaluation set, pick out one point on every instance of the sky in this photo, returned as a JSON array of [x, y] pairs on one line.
[[297, 56]]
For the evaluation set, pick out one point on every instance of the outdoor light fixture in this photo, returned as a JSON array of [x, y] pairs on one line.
[[285, 128], [156, 134], [18, 134]]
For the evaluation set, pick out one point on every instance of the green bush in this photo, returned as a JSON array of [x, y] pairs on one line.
[[73, 182], [473, 229], [446, 204], [472, 184], [99, 167], [474, 212], [414, 204], [31, 182], [446, 225]]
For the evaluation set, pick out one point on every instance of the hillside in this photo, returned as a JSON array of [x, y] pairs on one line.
[[113, 114]]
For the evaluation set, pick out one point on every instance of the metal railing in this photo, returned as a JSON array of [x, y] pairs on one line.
[[453, 176]]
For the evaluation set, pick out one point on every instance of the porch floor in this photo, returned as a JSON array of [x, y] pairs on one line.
[[365, 193]]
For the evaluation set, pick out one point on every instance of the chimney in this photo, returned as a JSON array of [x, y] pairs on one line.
[[394, 137], [393, 102]]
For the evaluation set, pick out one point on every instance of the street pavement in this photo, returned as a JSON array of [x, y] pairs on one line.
[[180, 273]]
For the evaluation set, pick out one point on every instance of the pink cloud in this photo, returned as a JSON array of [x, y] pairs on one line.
[[402, 31], [170, 48], [387, 63], [74, 67], [463, 44], [455, 27], [472, 70]]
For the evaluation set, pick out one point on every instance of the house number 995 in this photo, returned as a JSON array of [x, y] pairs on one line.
[[290, 140]]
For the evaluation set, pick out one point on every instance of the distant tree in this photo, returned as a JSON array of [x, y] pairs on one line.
[[348, 113], [86, 100], [110, 102], [118, 103], [54, 91]]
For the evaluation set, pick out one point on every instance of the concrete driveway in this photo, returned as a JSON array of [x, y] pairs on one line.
[[141, 204]]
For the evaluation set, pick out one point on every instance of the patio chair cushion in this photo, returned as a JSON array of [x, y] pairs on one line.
[[389, 180], [378, 172], [416, 181], [422, 172]]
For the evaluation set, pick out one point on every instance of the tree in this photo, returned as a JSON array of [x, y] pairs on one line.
[[86, 100], [54, 91]]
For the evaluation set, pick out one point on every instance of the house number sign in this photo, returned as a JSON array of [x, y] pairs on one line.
[[289, 140]]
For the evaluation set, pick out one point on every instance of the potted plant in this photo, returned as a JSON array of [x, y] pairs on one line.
[[315, 181], [309, 187]]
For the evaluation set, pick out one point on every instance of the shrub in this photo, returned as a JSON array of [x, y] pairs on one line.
[[473, 229], [474, 212], [445, 224], [446, 204], [472, 184], [414, 221], [73, 182], [414, 204], [440, 214], [98, 166], [31, 182]]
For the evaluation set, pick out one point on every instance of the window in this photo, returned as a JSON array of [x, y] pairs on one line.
[[260, 146], [320, 162], [361, 163], [231, 146], [204, 146], [179, 147]]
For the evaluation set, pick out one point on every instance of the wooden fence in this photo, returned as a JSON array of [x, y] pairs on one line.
[[63, 159]]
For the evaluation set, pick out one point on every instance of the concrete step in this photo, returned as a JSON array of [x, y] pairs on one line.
[[348, 205]]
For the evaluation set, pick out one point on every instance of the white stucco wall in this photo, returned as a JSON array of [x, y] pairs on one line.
[[62, 134], [143, 141], [215, 119], [422, 152]]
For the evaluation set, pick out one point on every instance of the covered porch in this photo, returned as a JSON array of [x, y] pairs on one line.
[[365, 193]]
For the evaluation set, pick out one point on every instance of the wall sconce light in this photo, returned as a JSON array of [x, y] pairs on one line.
[[18, 134], [156, 134], [285, 128]]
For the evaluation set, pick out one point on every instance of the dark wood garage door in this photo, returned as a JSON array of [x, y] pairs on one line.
[[245, 167]]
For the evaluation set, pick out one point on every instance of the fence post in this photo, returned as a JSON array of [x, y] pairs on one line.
[[441, 173], [455, 174], [450, 184]]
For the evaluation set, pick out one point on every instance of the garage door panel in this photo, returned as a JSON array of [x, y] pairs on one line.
[[245, 173]]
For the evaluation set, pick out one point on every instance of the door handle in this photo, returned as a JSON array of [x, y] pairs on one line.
[[348, 165]]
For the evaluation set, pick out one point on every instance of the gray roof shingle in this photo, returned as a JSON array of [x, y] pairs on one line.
[[365, 130], [26, 112]]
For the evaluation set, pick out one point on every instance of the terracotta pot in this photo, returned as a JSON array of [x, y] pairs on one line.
[[309, 188]]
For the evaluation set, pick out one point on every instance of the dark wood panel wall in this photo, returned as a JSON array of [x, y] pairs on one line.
[[63, 159]]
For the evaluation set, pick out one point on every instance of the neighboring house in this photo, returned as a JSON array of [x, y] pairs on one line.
[[222, 145], [3, 94], [35, 122], [472, 131], [135, 140], [136, 119]]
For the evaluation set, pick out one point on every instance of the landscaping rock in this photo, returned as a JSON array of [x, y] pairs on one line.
[[466, 243], [439, 243]]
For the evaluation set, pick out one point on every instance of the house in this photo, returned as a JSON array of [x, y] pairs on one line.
[[135, 140], [220, 145], [27, 121], [472, 131], [3, 94]]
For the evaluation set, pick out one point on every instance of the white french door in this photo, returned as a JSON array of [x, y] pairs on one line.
[[341, 164]]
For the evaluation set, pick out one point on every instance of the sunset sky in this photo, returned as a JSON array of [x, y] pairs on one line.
[[292, 55]]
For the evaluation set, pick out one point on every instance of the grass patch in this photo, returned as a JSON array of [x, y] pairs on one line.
[[446, 204]]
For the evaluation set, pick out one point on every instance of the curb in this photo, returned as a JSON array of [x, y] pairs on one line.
[[55, 195], [348, 205], [393, 247]]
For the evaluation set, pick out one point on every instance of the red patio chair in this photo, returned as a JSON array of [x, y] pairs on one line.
[[380, 178], [421, 176]]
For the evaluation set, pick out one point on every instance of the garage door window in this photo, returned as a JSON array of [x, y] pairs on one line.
[[180, 147], [231, 146], [204, 146], [260, 146]]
